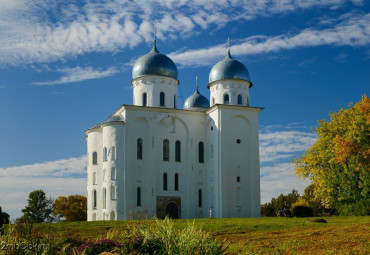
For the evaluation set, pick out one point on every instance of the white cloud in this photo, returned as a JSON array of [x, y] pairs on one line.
[[39, 31], [57, 178], [77, 74], [354, 31]]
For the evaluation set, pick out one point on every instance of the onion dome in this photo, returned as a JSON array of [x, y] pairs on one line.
[[229, 68], [196, 101], [154, 63]]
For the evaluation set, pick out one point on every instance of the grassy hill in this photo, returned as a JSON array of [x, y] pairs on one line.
[[340, 235]]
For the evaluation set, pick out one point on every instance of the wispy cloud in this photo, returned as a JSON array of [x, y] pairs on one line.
[[78, 74], [353, 31], [39, 31]]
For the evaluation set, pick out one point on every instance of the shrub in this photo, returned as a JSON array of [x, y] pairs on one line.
[[360, 208], [302, 211]]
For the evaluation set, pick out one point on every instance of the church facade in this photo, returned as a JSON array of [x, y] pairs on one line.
[[152, 159]]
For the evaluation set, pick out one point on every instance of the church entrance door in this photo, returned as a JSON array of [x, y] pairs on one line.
[[172, 210]]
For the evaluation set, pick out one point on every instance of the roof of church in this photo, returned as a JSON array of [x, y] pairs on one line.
[[229, 68], [196, 101], [154, 63]]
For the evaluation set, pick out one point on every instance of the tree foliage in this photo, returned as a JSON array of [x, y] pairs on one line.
[[279, 203], [338, 163], [4, 218], [39, 208], [73, 208]]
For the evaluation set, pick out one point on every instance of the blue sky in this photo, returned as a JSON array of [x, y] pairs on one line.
[[66, 65]]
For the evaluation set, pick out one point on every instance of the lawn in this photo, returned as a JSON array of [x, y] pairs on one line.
[[266, 235]]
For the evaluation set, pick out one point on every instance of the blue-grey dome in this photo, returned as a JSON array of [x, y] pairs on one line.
[[154, 63], [229, 68], [196, 101]]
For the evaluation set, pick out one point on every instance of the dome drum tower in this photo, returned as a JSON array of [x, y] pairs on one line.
[[154, 80]]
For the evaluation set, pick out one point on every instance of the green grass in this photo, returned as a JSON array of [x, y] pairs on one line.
[[266, 235]]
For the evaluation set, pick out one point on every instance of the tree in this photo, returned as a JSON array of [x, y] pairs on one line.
[[39, 207], [338, 163], [73, 208], [4, 218], [279, 203]]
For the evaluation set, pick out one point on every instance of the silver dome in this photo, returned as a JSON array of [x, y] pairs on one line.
[[229, 68], [196, 101], [154, 63]]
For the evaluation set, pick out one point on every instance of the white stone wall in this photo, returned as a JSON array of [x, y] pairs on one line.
[[232, 87], [153, 85]]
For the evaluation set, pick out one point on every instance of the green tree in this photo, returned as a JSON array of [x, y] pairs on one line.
[[73, 208], [4, 218], [338, 163], [279, 203], [39, 207]]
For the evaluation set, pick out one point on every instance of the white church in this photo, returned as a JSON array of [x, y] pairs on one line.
[[153, 159]]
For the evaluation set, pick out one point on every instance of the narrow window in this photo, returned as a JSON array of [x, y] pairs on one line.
[[226, 98], [199, 198], [166, 150], [176, 182], [104, 198], [95, 158], [161, 99], [240, 99], [113, 153], [165, 181], [112, 192], [178, 151], [238, 179], [213, 100], [144, 99], [105, 154], [94, 178], [94, 199], [113, 173], [138, 197], [174, 102], [139, 148], [247, 101], [201, 152]]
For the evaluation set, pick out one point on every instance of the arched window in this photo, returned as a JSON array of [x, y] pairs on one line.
[[178, 151], [166, 150], [105, 154], [213, 100], [165, 181], [144, 99], [95, 158], [161, 99], [138, 196], [200, 198], [94, 199], [176, 182], [226, 99], [112, 192], [240, 101], [114, 153], [113, 173], [174, 102], [201, 152], [94, 178], [139, 148], [104, 198]]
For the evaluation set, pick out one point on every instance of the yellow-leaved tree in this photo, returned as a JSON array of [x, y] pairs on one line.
[[71, 208], [338, 163]]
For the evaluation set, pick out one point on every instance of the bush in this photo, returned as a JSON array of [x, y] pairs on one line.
[[360, 208], [302, 211]]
